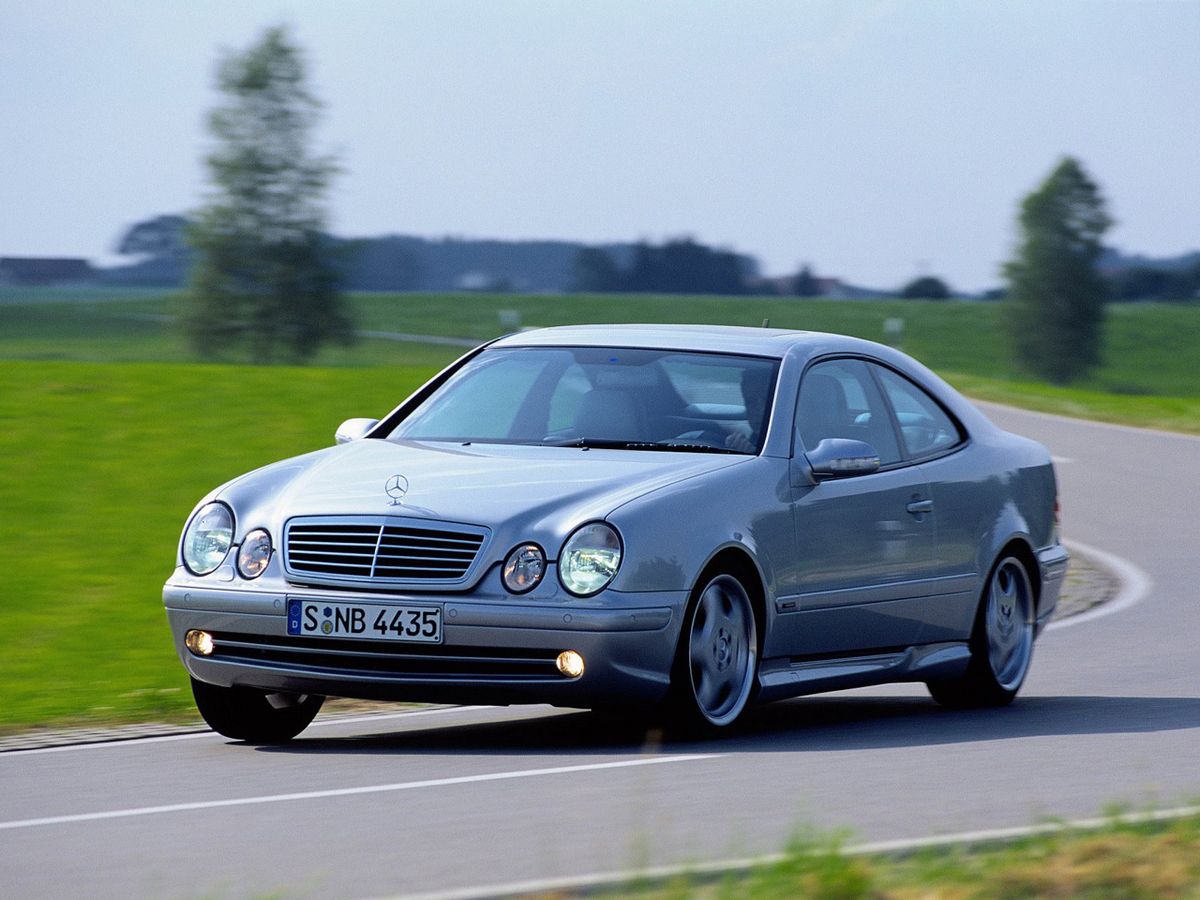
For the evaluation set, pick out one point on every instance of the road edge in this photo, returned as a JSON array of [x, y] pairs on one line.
[[1135, 585]]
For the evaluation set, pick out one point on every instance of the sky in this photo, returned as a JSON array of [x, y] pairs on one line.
[[876, 141]]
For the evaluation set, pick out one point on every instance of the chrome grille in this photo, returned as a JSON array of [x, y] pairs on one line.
[[381, 550]]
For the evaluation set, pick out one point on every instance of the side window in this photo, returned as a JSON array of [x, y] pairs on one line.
[[924, 425], [839, 399]]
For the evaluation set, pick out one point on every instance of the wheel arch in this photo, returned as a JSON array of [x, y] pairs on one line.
[[736, 560], [1019, 547]]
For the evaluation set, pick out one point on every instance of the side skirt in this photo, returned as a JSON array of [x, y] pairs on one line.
[[790, 677]]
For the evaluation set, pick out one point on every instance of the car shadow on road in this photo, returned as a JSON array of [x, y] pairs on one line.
[[860, 723], [807, 724]]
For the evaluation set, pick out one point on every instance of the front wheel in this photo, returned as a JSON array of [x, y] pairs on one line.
[[1001, 643], [254, 716], [717, 660]]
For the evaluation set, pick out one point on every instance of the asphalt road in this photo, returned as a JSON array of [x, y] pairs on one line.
[[455, 798]]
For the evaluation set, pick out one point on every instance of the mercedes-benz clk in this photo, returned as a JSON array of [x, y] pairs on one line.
[[682, 520]]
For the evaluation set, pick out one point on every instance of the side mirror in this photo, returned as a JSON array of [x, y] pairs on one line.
[[353, 430], [840, 458]]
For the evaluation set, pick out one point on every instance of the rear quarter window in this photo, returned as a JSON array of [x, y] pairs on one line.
[[925, 428]]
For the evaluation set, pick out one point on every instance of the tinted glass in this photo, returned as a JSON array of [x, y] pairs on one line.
[[565, 394], [839, 399], [924, 425]]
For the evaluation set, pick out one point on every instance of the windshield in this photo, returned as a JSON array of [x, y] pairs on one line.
[[601, 397]]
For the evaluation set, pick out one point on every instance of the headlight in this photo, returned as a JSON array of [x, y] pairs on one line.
[[207, 539], [254, 554], [524, 568], [589, 559]]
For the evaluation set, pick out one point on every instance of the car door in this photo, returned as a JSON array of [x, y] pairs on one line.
[[961, 501], [864, 543]]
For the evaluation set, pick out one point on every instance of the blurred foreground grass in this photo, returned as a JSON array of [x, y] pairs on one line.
[[107, 441], [1117, 861]]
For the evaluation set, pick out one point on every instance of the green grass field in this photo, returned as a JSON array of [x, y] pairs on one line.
[[109, 434], [1150, 375], [102, 463]]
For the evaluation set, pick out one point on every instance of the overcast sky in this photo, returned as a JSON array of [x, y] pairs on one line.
[[876, 140]]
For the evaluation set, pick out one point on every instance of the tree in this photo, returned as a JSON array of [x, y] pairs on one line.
[[805, 283], [1056, 294], [594, 271], [684, 266], [264, 280], [927, 287], [1139, 283], [160, 237], [1150, 283], [158, 250]]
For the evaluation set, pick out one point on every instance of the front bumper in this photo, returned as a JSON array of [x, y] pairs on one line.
[[493, 651]]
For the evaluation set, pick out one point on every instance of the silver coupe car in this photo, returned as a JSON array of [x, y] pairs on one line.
[[680, 519]]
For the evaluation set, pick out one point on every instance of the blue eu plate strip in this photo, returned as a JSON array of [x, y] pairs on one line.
[[294, 616]]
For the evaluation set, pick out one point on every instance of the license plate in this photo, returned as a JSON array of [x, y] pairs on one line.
[[321, 618]]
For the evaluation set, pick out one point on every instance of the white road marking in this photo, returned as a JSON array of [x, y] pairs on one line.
[[208, 733], [1061, 460], [1135, 585], [350, 792], [662, 873]]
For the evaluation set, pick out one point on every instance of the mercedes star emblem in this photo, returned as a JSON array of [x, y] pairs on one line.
[[396, 487]]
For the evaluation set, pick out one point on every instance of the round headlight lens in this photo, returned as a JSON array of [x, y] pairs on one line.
[[207, 540], [254, 554], [589, 559], [524, 568]]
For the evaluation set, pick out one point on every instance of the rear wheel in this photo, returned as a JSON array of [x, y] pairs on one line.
[[254, 716], [1001, 643], [717, 660]]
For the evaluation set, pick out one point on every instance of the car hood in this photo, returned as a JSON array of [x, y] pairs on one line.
[[494, 485]]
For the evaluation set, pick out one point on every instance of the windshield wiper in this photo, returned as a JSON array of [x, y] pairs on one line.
[[682, 446], [587, 443]]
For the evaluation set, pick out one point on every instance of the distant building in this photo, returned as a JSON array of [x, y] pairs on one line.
[[44, 270]]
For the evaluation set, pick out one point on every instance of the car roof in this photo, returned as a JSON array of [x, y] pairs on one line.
[[771, 342]]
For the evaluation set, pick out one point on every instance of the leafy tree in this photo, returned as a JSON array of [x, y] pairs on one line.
[[1056, 294], [593, 270], [805, 283], [158, 250], [162, 236], [684, 266], [264, 280], [927, 287], [1185, 284], [1150, 283]]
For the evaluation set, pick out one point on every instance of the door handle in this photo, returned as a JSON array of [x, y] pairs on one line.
[[920, 506]]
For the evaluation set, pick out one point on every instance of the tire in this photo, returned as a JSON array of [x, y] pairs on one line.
[[254, 716], [1001, 642], [716, 665]]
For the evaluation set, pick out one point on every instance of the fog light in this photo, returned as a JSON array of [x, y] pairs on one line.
[[201, 643], [570, 663]]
